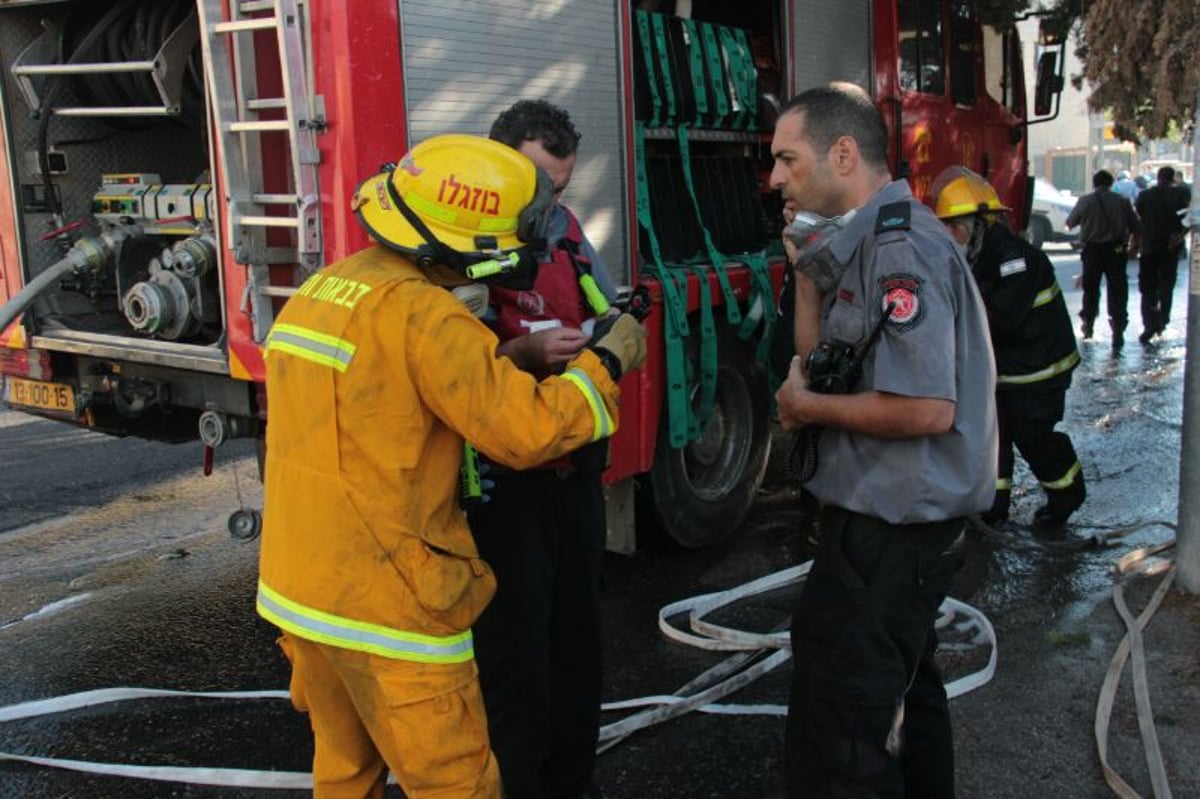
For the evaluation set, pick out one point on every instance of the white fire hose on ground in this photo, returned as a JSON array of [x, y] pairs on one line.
[[752, 659], [755, 655]]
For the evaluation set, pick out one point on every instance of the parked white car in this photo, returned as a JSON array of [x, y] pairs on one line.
[[1048, 222]]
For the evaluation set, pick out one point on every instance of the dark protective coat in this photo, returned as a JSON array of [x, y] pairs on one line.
[[1032, 336], [1035, 353]]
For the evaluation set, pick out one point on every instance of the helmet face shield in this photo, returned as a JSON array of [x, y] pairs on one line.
[[457, 200], [534, 221]]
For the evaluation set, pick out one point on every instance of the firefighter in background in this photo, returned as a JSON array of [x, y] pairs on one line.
[[377, 371], [1032, 340], [542, 532]]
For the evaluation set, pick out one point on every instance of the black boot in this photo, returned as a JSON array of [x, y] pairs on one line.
[[1049, 525]]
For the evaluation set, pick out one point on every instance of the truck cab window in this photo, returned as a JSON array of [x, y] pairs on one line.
[[963, 52], [1001, 55], [921, 63]]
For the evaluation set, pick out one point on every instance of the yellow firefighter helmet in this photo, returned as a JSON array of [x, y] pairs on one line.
[[467, 194], [958, 192]]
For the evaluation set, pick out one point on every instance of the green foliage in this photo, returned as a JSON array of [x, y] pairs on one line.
[[1142, 60]]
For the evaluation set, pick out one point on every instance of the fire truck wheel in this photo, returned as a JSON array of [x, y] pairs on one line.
[[702, 492]]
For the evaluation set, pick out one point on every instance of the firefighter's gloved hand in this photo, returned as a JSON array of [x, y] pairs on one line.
[[623, 339]]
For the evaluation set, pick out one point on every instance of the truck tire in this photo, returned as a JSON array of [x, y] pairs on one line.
[[701, 493], [1039, 230]]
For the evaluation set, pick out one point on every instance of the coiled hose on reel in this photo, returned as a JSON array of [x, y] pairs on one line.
[[128, 30]]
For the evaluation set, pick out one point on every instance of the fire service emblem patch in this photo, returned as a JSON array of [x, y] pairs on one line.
[[903, 292]]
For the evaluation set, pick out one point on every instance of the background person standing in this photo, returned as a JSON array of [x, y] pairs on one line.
[[902, 459], [539, 643], [1126, 186], [1032, 340], [1162, 245], [1108, 230]]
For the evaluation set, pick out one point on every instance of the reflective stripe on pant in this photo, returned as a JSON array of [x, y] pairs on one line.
[[863, 642], [425, 722], [538, 643], [1026, 419], [1106, 261]]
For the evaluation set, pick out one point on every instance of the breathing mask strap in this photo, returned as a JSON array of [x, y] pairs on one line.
[[433, 252], [979, 226]]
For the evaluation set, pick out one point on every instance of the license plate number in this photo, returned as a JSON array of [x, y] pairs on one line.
[[54, 397]]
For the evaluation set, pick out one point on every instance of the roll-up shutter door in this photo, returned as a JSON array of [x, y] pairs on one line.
[[833, 42], [467, 60]]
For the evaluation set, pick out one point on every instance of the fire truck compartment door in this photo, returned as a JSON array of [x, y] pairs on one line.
[[465, 61], [833, 42]]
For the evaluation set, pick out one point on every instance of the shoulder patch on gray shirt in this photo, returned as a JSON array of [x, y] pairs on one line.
[[1012, 267], [902, 291], [893, 216]]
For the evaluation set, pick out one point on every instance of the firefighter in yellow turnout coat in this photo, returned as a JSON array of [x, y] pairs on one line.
[[375, 374]]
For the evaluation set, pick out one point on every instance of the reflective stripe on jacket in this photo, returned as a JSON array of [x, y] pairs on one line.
[[374, 377], [1031, 330]]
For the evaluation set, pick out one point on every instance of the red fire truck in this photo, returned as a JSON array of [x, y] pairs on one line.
[[172, 170]]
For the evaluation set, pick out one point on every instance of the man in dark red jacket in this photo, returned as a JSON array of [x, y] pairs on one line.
[[538, 643]]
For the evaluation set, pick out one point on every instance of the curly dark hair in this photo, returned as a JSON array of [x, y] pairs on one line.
[[536, 120]]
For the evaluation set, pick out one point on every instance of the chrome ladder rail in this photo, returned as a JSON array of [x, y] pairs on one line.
[[229, 62]]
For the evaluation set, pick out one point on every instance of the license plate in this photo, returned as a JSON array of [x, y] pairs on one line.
[[53, 397]]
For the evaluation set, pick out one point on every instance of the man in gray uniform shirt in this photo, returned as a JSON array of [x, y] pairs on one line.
[[904, 456], [1109, 230]]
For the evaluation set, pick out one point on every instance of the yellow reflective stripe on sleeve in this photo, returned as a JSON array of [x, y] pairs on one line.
[[1003, 484], [1065, 480], [326, 628], [603, 427], [1046, 295], [1053, 370], [311, 345]]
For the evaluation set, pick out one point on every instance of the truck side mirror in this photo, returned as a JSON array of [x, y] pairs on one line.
[[1049, 85]]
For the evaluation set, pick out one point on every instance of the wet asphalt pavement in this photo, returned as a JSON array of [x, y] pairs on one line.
[[117, 571]]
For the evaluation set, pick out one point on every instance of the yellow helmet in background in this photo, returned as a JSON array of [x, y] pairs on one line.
[[454, 199], [958, 192]]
